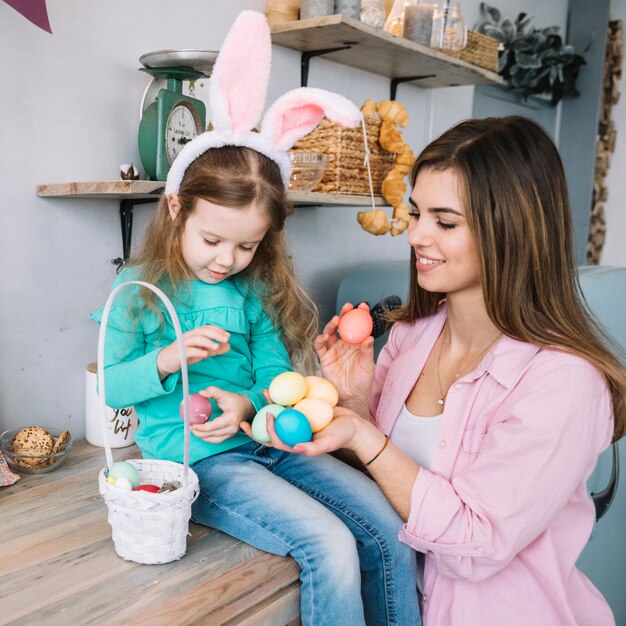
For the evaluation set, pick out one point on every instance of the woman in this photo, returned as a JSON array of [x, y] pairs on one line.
[[495, 393]]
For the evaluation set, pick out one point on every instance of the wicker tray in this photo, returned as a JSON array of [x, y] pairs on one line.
[[480, 50], [346, 172]]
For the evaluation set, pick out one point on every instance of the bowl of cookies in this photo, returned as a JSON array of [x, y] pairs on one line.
[[35, 449]]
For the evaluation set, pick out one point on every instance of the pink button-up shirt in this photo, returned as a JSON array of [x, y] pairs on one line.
[[503, 514]]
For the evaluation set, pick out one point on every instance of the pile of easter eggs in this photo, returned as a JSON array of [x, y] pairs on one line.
[[124, 475], [302, 405]]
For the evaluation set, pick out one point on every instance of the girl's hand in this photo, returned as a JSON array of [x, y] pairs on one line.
[[200, 343], [235, 409], [349, 367]]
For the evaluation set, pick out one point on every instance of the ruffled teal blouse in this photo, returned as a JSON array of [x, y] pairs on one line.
[[135, 335]]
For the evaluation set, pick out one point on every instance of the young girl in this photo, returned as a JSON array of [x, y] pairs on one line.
[[495, 393], [216, 247]]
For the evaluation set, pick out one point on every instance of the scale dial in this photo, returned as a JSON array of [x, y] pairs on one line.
[[183, 124]]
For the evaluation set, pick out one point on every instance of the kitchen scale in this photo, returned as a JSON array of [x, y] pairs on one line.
[[170, 118]]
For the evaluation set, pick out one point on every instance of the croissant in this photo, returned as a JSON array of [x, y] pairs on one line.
[[406, 157], [394, 112], [394, 188], [368, 108], [390, 138], [400, 219], [374, 221]]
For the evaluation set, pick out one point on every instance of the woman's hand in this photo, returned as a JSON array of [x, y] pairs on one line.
[[342, 432], [349, 367], [200, 343], [274, 441], [235, 409]]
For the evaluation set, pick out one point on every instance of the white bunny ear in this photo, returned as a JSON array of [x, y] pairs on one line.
[[299, 111], [240, 76]]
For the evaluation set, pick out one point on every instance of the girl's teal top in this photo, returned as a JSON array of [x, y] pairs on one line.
[[135, 335]]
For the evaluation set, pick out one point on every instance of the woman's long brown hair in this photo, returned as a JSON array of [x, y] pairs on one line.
[[237, 177], [517, 204]]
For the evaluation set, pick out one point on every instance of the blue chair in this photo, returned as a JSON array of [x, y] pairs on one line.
[[604, 289]]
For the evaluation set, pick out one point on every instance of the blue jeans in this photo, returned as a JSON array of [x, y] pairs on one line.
[[328, 516]]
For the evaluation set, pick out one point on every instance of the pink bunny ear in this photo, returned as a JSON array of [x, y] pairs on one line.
[[299, 111], [241, 74]]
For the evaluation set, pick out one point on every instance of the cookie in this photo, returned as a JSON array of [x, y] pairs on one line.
[[62, 440], [32, 441]]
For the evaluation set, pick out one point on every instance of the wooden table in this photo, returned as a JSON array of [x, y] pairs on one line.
[[58, 565]]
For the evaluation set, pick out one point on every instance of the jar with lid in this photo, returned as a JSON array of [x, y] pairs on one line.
[[316, 8], [351, 8], [373, 12], [449, 28], [418, 21]]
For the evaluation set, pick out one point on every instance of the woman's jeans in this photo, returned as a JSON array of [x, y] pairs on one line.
[[328, 516]]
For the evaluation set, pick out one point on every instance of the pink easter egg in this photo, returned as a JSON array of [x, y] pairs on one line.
[[355, 326], [200, 409]]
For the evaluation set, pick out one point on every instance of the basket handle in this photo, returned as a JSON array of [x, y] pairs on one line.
[[183, 360]]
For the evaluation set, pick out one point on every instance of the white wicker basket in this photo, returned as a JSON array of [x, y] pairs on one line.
[[148, 527]]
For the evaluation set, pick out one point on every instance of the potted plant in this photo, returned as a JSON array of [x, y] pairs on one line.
[[532, 61]]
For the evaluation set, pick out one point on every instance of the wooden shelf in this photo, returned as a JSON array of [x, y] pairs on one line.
[[376, 50], [111, 189], [151, 190]]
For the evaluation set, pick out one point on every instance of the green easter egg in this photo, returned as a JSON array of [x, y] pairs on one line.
[[126, 470], [259, 423]]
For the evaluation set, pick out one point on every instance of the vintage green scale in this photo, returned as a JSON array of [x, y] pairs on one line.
[[170, 119]]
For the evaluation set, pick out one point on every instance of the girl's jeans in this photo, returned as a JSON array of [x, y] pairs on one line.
[[328, 516]]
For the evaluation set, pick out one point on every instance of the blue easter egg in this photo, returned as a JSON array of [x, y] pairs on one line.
[[293, 427]]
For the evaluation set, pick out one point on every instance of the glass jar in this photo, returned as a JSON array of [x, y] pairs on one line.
[[449, 28], [373, 12], [455, 32], [418, 21], [351, 8], [315, 8]]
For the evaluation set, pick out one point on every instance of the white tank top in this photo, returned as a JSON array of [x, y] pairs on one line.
[[416, 436]]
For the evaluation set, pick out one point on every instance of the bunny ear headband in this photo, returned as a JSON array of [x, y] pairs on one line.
[[237, 95]]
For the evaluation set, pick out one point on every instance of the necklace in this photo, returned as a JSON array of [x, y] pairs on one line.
[[462, 370]]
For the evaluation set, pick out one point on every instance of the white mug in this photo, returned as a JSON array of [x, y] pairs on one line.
[[121, 423]]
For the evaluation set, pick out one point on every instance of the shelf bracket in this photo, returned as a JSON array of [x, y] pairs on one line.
[[396, 81], [306, 57], [126, 221]]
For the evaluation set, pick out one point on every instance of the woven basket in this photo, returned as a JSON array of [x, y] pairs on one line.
[[346, 172], [480, 50], [147, 527]]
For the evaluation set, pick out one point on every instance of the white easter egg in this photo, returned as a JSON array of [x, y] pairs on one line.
[[123, 483]]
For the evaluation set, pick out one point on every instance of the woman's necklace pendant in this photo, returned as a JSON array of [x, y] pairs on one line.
[[440, 401]]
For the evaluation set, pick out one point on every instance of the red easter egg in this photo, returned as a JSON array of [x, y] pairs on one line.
[[355, 326], [200, 409], [150, 488]]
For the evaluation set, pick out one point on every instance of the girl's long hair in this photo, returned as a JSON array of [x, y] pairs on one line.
[[237, 177], [517, 204]]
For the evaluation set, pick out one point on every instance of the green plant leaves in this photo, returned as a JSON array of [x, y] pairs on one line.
[[533, 61]]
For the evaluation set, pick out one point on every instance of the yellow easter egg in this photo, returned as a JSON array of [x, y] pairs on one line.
[[318, 387], [287, 388], [318, 412], [110, 480]]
